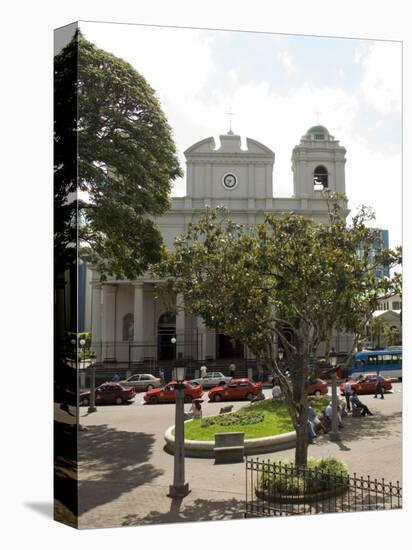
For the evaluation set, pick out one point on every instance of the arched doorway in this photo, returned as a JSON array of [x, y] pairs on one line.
[[166, 329]]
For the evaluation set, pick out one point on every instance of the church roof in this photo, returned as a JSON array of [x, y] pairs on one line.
[[230, 143], [318, 130]]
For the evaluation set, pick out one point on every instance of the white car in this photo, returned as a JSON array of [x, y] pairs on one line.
[[141, 382], [212, 379]]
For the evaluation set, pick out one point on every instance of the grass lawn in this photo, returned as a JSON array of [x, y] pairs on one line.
[[261, 419]]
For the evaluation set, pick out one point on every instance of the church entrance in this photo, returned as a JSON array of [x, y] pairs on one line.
[[228, 347], [166, 330]]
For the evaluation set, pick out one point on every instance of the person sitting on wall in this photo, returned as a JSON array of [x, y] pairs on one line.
[[314, 418], [356, 402], [328, 413]]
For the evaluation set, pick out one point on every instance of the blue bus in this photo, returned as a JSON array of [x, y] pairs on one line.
[[387, 362]]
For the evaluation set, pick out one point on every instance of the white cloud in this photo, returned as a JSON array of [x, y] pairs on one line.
[[374, 178], [287, 62], [381, 79]]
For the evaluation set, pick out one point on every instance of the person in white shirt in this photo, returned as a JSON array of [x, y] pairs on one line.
[[203, 371], [329, 413]]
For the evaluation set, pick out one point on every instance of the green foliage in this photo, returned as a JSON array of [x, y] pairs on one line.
[[287, 479], [288, 274], [112, 141]]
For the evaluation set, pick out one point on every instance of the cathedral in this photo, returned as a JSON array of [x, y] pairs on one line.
[[132, 321]]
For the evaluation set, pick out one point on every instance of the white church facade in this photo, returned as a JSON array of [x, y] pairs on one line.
[[132, 322]]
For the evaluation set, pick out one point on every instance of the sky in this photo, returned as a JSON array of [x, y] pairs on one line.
[[278, 86]]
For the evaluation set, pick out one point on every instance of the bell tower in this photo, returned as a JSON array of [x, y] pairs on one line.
[[318, 163]]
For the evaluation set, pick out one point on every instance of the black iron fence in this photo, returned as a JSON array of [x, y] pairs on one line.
[[279, 489]]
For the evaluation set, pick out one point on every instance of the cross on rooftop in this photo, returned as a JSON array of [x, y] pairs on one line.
[[230, 121]]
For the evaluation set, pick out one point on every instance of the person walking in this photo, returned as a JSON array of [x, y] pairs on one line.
[[347, 390], [379, 388], [203, 371], [232, 369]]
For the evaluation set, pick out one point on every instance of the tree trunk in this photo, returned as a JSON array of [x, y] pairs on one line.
[[301, 449], [300, 398]]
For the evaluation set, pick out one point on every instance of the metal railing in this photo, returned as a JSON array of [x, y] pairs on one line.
[[280, 489]]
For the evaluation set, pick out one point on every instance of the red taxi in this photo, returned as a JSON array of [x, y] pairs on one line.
[[237, 388], [167, 394], [366, 383], [318, 387]]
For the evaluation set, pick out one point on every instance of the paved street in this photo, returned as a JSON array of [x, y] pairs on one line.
[[125, 473]]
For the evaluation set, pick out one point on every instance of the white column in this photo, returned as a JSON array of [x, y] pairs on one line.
[[180, 326], [269, 188], [96, 321], [208, 182], [201, 338], [138, 334], [109, 321]]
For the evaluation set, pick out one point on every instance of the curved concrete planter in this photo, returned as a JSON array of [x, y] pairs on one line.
[[204, 449], [300, 499]]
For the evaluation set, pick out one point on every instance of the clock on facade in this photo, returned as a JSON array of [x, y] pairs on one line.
[[229, 181]]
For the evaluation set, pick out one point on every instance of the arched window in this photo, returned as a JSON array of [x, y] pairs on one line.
[[168, 319], [128, 327], [320, 178]]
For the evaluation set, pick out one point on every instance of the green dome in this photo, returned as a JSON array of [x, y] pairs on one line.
[[318, 130]]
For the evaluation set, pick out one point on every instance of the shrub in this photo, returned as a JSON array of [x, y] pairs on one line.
[[320, 475]]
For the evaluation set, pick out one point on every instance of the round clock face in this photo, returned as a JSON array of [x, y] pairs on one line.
[[229, 181]]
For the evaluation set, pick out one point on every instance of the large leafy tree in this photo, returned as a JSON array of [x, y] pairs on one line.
[[286, 276], [115, 161]]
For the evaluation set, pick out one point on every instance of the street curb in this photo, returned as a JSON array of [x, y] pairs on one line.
[[204, 449]]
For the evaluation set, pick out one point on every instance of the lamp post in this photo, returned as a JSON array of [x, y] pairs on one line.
[[92, 402], [334, 434], [179, 487]]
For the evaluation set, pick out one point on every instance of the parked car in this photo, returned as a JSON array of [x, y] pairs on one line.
[[142, 382], [237, 388], [366, 383], [212, 379], [318, 387], [167, 394], [109, 392]]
